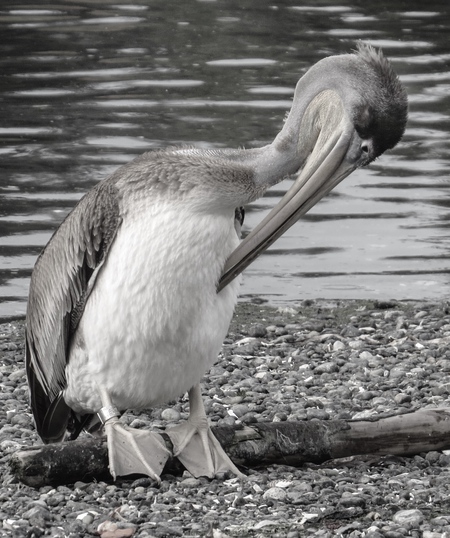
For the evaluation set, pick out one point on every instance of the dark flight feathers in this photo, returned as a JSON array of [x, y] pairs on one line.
[[75, 255]]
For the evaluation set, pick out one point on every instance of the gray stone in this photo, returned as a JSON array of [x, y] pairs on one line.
[[257, 330], [410, 518], [275, 494], [326, 368], [170, 415]]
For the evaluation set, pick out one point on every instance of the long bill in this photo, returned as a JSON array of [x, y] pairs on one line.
[[327, 166]]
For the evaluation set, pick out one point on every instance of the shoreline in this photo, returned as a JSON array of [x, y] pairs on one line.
[[321, 360]]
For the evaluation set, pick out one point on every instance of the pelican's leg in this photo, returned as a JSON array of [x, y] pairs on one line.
[[131, 451], [195, 445]]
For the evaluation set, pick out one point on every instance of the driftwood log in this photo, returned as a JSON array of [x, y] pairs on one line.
[[292, 443]]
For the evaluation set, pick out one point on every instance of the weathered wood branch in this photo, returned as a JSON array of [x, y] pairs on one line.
[[292, 443]]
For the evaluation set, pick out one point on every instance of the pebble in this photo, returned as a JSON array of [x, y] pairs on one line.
[[240, 410], [338, 345], [275, 493], [86, 518], [356, 344], [326, 368], [402, 398], [349, 499], [409, 518], [257, 331], [170, 415]]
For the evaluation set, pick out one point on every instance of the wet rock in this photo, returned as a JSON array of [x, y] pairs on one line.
[[402, 398], [275, 494], [326, 368], [257, 330], [408, 518], [350, 500], [170, 415]]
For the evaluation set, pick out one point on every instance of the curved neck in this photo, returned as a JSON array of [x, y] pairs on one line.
[[317, 107], [313, 116]]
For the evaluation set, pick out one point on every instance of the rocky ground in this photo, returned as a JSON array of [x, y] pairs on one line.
[[321, 360]]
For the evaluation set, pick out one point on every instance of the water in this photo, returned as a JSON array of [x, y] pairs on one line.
[[88, 85]]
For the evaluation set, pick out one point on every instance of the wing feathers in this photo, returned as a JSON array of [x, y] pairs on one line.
[[62, 279]]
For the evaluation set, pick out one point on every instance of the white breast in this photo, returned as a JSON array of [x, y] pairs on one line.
[[154, 323]]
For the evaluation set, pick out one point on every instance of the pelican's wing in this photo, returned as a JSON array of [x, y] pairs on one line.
[[62, 280]]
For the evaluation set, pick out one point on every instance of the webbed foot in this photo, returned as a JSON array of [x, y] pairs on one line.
[[196, 446], [131, 451]]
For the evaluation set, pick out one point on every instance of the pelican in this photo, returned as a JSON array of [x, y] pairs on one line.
[[132, 297]]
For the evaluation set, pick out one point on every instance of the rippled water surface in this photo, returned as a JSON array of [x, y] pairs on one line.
[[87, 85]]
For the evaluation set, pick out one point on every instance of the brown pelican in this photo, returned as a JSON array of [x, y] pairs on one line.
[[127, 308]]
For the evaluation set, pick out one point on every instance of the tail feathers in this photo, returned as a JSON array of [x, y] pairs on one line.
[[56, 420], [52, 417], [83, 422], [39, 401], [61, 419]]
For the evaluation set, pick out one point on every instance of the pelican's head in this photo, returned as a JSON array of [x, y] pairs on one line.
[[347, 110], [354, 96]]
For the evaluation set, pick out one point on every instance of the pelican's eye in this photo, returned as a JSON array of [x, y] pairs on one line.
[[365, 147], [367, 152]]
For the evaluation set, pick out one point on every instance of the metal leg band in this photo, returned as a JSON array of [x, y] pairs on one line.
[[107, 412]]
